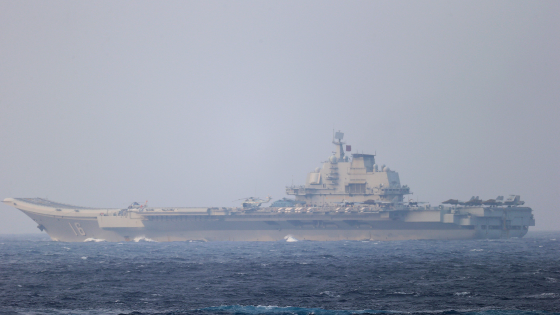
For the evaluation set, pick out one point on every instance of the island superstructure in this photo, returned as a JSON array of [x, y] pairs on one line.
[[348, 198], [345, 180]]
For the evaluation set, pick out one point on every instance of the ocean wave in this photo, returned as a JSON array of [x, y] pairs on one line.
[[461, 293], [91, 239], [143, 239], [424, 277], [329, 293], [264, 310], [291, 310], [290, 239], [259, 309], [548, 295]]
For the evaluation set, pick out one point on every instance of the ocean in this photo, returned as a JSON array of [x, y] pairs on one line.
[[511, 276]]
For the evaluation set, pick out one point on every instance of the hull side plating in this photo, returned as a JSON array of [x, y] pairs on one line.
[[347, 198], [380, 226]]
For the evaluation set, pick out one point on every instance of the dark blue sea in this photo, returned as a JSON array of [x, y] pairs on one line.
[[514, 276]]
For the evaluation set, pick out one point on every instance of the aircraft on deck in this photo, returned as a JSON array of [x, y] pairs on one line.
[[252, 202], [412, 203], [494, 202], [474, 201], [345, 203], [453, 202], [514, 200]]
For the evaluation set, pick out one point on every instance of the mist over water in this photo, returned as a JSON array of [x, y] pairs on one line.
[[187, 103], [513, 276], [198, 103]]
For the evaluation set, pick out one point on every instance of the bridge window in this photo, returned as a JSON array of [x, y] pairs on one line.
[[369, 161], [356, 189]]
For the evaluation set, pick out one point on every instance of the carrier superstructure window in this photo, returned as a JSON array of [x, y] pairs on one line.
[[369, 161], [356, 189]]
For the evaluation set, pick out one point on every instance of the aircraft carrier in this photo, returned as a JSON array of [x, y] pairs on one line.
[[349, 198]]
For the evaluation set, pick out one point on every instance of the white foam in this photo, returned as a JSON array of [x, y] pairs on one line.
[[84, 257], [461, 293], [289, 238], [329, 293], [544, 296], [143, 239], [91, 239], [476, 250]]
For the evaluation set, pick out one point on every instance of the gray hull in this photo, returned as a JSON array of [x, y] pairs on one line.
[[314, 227], [345, 199]]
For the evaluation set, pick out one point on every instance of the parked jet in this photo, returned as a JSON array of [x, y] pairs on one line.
[[369, 202], [413, 203], [494, 202], [345, 203], [474, 201], [452, 202], [514, 200]]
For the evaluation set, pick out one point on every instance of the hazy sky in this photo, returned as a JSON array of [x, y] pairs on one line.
[[198, 103]]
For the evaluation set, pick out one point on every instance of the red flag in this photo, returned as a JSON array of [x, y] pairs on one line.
[[348, 148]]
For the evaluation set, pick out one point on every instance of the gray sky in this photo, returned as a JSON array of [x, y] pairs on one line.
[[201, 103]]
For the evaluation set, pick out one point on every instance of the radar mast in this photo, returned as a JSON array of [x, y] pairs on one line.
[[337, 141]]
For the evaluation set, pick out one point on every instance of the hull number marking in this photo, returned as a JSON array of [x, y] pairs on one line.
[[78, 228], [72, 228]]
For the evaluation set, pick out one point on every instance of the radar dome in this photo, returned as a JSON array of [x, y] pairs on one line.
[[333, 159], [386, 169], [375, 167], [318, 170]]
